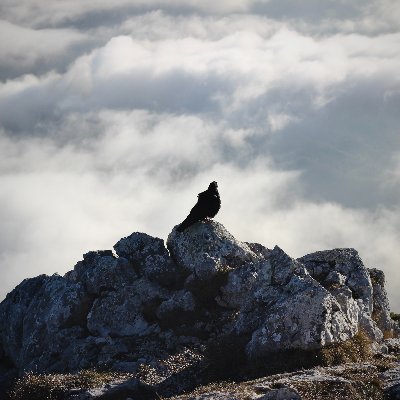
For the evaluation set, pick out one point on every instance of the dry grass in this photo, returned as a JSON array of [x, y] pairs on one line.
[[360, 381], [240, 391], [353, 381], [53, 386], [358, 348], [388, 334], [368, 388], [395, 316]]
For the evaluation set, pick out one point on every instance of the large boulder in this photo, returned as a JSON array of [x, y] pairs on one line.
[[146, 304], [37, 325], [12, 314], [207, 248], [343, 267], [150, 258], [342, 272], [116, 314], [287, 309]]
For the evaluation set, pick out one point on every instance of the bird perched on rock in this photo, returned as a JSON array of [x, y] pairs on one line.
[[207, 206]]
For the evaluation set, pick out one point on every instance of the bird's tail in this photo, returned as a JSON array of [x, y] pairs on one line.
[[185, 224]]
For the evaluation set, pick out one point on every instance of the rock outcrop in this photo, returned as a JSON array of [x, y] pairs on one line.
[[148, 303]]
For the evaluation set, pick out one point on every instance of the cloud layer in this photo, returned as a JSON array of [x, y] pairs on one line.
[[114, 118]]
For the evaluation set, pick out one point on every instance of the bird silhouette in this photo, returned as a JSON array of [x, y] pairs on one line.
[[207, 206]]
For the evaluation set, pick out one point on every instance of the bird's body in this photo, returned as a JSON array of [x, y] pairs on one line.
[[207, 206]]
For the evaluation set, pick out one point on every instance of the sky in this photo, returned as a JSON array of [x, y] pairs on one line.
[[114, 115]]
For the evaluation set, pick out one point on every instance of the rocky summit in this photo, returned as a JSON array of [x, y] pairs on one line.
[[202, 308]]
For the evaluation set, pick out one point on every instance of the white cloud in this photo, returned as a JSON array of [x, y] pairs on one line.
[[24, 49], [40, 12], [278, 121], [190, 74], [115, 115], [59, 202]]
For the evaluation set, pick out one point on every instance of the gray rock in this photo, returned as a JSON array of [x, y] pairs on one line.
[[335, 278], [321, 383], [150, 257], [284, 267], [348, 304], [207, 248], [347, 263], [392, 392], [340, 270], [58, 306], [284, 393], [120, 313], [215, 395], [12, 313], [285, 308], [181, 302], [138, 246], [307, 320], [117, 314], [380, 313], [391, 383], [102, 271], [245, 283], [369, 326], [143, 307], [132, 388], [393, 345], [259, 249]]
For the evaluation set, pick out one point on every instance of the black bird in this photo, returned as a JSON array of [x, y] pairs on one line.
[[207, 206]]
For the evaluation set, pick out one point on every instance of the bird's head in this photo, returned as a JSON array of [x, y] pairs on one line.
[[213, 186]]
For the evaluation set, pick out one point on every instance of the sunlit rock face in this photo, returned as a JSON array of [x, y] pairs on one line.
[[287, 309], [357, 289], [206, 248], [146, 301], [380, 309]]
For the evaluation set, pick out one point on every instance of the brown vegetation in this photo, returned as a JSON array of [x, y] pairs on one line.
[[53, 386]]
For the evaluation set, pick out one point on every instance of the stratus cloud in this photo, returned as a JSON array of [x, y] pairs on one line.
[[159, 25], [24, 49], [292, 108], [74, 199], [324, 96], [223, 75], [373, 16], [39, 12]]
